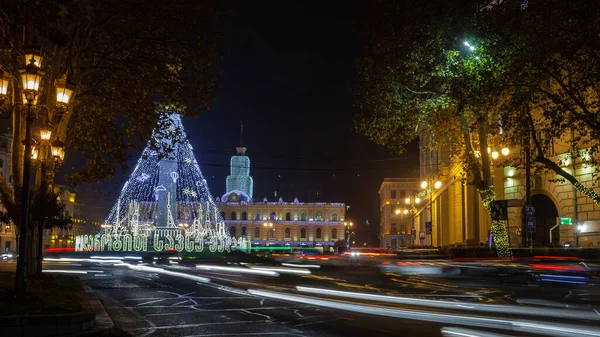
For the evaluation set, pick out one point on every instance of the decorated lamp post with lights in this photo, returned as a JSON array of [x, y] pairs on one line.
[[23, 89]]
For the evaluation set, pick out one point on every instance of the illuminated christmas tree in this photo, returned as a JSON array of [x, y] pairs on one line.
[[166, 193]]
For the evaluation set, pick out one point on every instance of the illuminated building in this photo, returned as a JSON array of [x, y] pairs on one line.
[[278, 222], [396, 221]]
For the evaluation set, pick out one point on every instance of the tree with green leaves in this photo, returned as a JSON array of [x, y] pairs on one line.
[[550, 88], [425, 66]]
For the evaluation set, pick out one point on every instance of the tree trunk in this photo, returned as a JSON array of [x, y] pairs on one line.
[[30, 255]]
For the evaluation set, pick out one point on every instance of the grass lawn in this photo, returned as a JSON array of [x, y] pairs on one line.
[[48, 294]]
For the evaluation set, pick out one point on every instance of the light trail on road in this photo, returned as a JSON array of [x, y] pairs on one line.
[[531, 327], [492, 308]]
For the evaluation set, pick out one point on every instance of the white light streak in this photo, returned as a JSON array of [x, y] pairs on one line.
[[238, 270], [559, 330], [493, 308], [285, 270], [301, 265], [166, 272]]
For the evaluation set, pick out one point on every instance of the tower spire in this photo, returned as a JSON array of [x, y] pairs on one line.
[[241, 150], [242, 133]]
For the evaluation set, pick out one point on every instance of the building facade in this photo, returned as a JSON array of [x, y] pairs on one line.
[[277, 222], [563, 215], [396, 210]]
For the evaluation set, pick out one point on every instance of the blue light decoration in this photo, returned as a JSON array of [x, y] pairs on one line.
[[165, 204], [240, 179]]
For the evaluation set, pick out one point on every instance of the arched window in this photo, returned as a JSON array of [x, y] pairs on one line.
[[223, 215], [232, 231], [233, 216], [256, 232], [257, 216], [334, 216], [150, 215], [303, 216], [287, 233], [319, 216], [303, 233], [243, 232], [288, 216], [272, 232], [318, 233], [273, 216], [334, 233], [244, 216]]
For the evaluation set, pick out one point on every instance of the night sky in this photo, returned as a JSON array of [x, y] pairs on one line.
[[288, 72]]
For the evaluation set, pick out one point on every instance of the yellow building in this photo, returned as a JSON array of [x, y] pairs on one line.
[[396, 207], [457, 215]]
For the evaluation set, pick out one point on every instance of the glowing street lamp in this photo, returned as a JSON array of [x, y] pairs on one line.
[[407, 200], [405, 211], [495, 155], [505, 151], [424, 184], [34, 152], [45, 132], [417, 200], [4, 81], [437, 185], [397, 211], [58, 150], [64, 91]]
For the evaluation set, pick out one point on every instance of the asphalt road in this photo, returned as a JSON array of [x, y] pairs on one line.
[[206, 301], [148, 304]]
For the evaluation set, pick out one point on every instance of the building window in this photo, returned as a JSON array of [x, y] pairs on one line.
[[223, 215], [288, 216], [402, 229], [334, 216], [243, 232], [334, 233], [319, 216], [318, 233], [256, 232], [287, 233], [303, 233], [393, 194], [273, 216], [1, 163], [402, 194], [272, 233], [257, 216], [393, 229], [233, 216], [244, 216], [303, 216], [232, 231]]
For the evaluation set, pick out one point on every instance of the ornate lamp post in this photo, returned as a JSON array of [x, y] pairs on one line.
[[30, 77]]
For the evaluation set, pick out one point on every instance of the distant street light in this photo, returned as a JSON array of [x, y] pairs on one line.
[[424, 184], [505, 151], [437, 185], [397, 211]]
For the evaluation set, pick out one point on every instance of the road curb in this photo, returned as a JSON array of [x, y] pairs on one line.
[[102, 321]]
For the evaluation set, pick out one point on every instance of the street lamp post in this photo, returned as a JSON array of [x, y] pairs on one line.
[[426, 185], [30, 76], [347, 228]]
